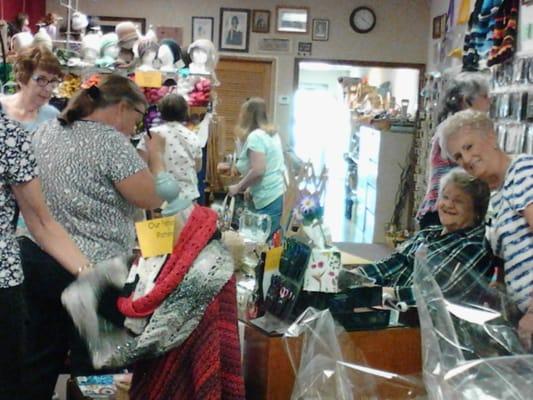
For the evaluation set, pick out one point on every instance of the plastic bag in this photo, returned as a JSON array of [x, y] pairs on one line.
[[471, 350], [324, 371]]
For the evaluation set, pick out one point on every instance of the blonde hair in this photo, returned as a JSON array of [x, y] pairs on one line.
[[253, 116], [469, 119]]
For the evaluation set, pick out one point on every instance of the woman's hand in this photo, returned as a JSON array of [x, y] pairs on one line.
[[233, 190], [223, 168], [525, 329], [155, 147]]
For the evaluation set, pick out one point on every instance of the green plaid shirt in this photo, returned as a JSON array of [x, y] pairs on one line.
[[461, 263]]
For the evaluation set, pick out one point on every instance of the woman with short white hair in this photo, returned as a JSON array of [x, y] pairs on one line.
[[469, 139]]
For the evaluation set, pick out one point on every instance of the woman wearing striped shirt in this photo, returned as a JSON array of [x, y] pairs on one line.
[[469, 139]]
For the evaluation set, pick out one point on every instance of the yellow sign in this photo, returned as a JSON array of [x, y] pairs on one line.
[[153, 79], [273, 258], [156, 236], [351, 259]]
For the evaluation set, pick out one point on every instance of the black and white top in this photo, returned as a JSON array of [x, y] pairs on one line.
[[17, 165], [79, 166], [182, 149]]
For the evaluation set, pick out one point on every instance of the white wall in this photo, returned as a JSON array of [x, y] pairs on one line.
[[401, 33]]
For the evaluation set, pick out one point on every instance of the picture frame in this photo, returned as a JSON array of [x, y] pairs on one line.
[[202, 28], [234, 29], [439, 25], [261, 21], [108, 24], [292, 19], [305, 48], [274, 45], [320, 31]]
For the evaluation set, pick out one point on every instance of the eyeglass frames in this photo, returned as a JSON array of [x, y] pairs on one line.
[[42, 81]]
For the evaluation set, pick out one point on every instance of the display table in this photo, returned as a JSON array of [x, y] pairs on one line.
[[267, 370], [268, 373]]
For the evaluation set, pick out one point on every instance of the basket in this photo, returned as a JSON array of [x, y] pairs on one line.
[[123, 389], [228, 180]]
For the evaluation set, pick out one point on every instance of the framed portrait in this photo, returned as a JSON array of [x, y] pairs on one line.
[[107, 24], [305, 48], [261, 21], [202, 28], [234, 29], [320, 29], [292, 19], [439, 25]]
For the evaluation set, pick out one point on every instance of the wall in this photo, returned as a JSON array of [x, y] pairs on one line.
[[400, 35], [34, 8]]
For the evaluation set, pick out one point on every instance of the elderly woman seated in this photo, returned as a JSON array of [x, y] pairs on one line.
[[456, 250]]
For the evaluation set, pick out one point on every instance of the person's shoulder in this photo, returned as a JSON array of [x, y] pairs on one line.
[[50, 110]]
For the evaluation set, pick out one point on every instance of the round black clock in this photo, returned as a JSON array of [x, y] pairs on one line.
[[363, 19]]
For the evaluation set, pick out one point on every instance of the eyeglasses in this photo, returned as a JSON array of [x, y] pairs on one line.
[[41, 81], [139, 111]]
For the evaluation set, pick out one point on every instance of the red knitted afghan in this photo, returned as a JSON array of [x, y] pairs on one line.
[[200, 227], [207, 366]]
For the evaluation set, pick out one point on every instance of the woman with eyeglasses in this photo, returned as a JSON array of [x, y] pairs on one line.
[[37, 73], [93, 181]]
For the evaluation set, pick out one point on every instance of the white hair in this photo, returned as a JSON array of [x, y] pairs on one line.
[[469, 119]]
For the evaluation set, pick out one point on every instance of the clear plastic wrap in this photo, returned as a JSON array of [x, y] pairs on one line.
[[471, 348], [323, 371]]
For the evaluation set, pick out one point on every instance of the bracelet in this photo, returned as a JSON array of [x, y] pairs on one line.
[[85, 267]]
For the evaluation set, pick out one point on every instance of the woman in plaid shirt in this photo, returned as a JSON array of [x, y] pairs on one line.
[[457, 252]]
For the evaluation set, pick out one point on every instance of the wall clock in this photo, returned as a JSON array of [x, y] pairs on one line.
[[362, 19]]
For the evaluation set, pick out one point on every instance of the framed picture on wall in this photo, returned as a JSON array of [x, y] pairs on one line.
[[292, 19], [261, 21], [439, 26], [202, 28], [234, 29], [320, 29], [107, 24]]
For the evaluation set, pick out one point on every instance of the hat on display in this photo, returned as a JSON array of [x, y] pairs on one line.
[[174, 48], [79, 21], [42, 38], [108, 40], [21, 40], [126, 31], [146, 44]]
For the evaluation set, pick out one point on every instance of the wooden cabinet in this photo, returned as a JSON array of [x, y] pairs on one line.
[[382, 155], [268, 373]]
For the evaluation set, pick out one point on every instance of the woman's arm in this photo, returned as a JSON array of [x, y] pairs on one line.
[[254, 175], [139, 188], [528, 215], [50, 235]]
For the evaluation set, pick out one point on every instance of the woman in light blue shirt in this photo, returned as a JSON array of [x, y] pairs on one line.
[[260, 161]]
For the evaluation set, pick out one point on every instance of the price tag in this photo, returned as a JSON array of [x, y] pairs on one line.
[[156, 236], [150, 79]]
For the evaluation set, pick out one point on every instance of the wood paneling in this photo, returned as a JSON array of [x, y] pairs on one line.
[[268, 373], [240, 78]]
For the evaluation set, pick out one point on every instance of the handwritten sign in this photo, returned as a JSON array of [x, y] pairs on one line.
[[156, 236], [153, 79]]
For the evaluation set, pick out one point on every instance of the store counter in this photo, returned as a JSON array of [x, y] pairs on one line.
[[267, 370]]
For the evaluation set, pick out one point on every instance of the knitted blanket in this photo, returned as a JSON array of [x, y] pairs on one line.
[[205, 367]]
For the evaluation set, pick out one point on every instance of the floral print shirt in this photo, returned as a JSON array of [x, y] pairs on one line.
[[17, 166]]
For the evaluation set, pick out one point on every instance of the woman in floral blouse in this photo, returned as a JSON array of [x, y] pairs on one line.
[[19, 182]]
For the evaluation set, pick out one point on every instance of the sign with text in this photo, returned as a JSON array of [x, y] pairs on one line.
[[150, 79], [156, 236]]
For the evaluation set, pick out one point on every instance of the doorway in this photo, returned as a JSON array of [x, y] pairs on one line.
[[327, 116]]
